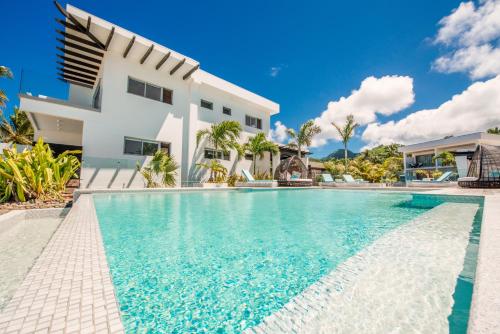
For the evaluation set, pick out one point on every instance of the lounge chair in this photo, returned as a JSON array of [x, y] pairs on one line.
[[442, 178], [349, 179], [251, 182], [327, 178]]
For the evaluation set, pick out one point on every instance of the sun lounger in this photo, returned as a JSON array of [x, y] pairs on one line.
[[251, 182]]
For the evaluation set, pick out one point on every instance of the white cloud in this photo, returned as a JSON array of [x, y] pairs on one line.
[[475, 109], [278, 134], [472, 33], [275, 70], [385, 96]]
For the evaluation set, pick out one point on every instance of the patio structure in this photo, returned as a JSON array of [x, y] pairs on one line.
[[420, 156], [292, 172]]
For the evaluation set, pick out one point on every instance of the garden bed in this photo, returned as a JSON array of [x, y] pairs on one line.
[[9, 206]]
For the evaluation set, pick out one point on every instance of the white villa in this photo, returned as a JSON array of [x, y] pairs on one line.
[[420, 155], [129, 96]]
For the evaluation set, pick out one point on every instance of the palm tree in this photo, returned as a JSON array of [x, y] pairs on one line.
[[163, 165], [304, 137], [346, 132], [258, 145], [222, 136], [18, 129], [4, 73], [218, 172]]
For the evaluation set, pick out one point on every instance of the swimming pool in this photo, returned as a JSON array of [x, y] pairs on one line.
[[222, 261]]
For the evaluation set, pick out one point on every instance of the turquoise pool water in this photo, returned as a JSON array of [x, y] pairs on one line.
[[219, 262]]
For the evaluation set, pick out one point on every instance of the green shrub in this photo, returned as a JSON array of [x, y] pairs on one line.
[[36, 173]]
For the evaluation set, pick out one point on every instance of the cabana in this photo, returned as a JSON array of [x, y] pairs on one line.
[[292, 172], [484, 169]]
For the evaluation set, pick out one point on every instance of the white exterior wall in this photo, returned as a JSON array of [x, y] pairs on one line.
[[127, 115]]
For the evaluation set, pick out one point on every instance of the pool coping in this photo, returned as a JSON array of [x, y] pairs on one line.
[[81, 298]]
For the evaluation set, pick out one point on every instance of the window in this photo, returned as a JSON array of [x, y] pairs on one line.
[[226, 111], [253, 122], [96, 100], [249, 156], [207, 105], [149, 91], [213, 154], [144, 147]]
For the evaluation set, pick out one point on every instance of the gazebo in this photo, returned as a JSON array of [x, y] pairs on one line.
[[484, 169], [292, 172]]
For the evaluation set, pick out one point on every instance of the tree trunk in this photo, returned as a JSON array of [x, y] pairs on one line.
[[254, 163], [299, 153], [345, 157]]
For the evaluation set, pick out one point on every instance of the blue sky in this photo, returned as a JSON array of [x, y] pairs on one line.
[[299, 54]]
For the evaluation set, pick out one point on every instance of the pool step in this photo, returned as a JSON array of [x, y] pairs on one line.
[[402, 283]]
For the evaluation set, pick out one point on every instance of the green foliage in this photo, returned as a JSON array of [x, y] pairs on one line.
[[4, 73], [262, 176], [232, 179], [304, 136], [421, 173], [222, 136], [18, 129], [36, 173], [379, 154], [162, 166], [446, 158], [346, 132], [494, 131], [218, 172], [257, 146], [383, 163], [436, 174]]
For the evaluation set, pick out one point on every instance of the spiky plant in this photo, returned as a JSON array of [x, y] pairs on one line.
[[304, 136], [218, 172], [17, 129], [257, 146], [346, 132]]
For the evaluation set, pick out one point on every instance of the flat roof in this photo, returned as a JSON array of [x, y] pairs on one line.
[[465, 139], [187, 67]]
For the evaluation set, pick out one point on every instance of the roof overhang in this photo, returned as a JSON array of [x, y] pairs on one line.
[[85, 38], [453, 142]]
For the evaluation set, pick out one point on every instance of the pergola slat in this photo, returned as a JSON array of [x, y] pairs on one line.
[[77, 68], [79, 26], [70, 77], [79, 55], [164, 59], [68, 25], [78, 62], [83, 76], [110, 36], [176, 67], [81, 48], [146, 55], [191, 71], [129, 46], [76, 83], [77, 39]]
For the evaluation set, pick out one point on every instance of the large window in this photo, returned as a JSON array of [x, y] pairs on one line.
[[144, 147], [213, 154], [149, 91], [207, 104], [253, 122]]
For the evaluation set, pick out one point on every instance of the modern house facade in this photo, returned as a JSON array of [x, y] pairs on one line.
[[420, 156], [129, 96]]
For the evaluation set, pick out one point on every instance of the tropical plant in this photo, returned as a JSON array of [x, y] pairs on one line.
[[162, 166], [346, 132], [36, 173], [232, 179], [392, 166], [304, 136], [335, 167], [257, 146], [222, 136], [380, 153], [17, 129], [421, 173], [436, 173], [494, 131], [218, 172], [4, 73], [446, 158]]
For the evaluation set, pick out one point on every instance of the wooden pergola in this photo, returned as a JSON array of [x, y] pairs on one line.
[[82, 51]]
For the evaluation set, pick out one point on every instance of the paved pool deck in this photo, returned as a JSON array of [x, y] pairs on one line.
[[69, 288]]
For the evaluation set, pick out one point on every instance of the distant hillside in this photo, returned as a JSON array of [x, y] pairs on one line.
[[339, 154]]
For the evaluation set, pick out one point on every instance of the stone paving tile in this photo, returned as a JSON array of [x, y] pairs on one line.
[[69, 288]]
